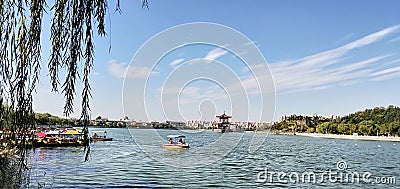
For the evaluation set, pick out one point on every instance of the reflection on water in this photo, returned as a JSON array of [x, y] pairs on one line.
[[122, 163]]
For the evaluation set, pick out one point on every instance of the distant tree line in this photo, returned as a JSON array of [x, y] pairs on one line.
[[38, 118], [376, 121], [48, 119]]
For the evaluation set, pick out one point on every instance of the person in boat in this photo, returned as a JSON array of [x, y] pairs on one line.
[[95, 135], [170, 141], [180, 141]]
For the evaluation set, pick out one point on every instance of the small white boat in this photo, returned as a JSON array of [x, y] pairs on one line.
[[172, 144]]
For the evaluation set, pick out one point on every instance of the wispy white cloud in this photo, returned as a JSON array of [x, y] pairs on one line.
[[387, 76], [333, 67], [372, 38], [177, 61], [345, 65], [192, 94], [386, 71], [250, 43], [394, 40], [214, 54], [390, 62], [345, 38], [359, 65], [122, 70], [96, 73]]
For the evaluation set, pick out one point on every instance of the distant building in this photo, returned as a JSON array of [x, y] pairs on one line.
[[100, 120], [198, 124], [176, 123]]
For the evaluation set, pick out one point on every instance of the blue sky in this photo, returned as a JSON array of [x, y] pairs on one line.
[[326, 57]]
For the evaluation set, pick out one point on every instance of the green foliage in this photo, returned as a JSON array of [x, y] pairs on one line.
[[380, 120], [295, 123], [48, 119], [344, 128], [327, 127]]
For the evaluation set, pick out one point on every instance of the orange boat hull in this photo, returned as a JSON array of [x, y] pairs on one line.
[[219, 130], [175, 146]]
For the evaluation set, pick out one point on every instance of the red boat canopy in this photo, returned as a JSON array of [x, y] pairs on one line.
[[41, 134]]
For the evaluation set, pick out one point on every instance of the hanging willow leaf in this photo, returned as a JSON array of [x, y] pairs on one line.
[[72, 44]]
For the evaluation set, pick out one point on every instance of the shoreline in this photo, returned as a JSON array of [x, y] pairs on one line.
[[350, 137]]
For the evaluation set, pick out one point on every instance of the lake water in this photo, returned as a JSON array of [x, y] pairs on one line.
[[140, 162]]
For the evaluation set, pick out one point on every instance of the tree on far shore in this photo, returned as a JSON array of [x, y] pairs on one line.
[[376, 121]]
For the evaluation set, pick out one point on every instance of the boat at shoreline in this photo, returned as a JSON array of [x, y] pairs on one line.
[[176, 145], [59, 138], [100, 136]]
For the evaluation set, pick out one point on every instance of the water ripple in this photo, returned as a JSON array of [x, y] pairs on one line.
[[122, 164]]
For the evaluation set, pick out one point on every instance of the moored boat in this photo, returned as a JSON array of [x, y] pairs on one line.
[[59, 138], [100, 136]]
